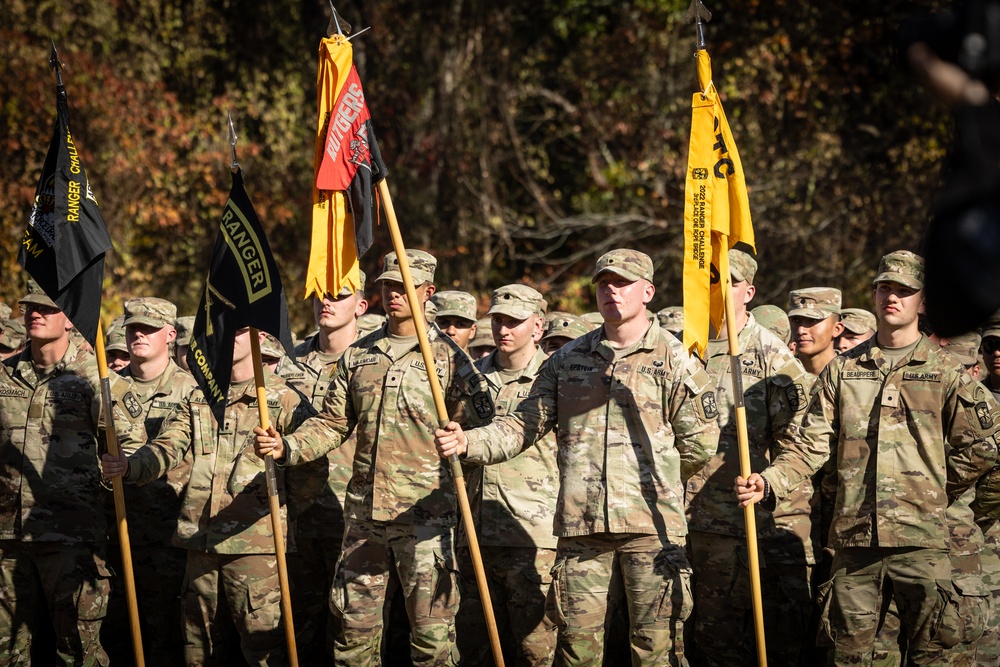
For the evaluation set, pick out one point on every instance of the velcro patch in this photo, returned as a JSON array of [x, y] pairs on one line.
[[796, 396], [13, 392], [708, 405], [984, 416], [921, 377], [131, 404], [366, 360], [483, 405]]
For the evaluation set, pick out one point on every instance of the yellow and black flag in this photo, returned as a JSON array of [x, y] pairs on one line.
[[716, 211], [243, 289], [347, 164], [64, 243]]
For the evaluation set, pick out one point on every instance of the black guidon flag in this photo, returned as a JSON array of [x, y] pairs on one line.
[[243, 289], [65, 240]]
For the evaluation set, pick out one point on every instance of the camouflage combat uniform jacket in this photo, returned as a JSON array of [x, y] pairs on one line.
[[775, 387], [315, 510], [904, 443], [398, 475], [154, 507], [630, 433], [514, 502], [50, 476], [225, 509]]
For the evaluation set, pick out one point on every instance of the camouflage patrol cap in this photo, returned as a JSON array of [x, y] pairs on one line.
[[115, 340], [551, 316], [184, 326], [774, 320], [150, 311], [816, 303], [566, 327], [346, 291], [4, 312], [517, 301], [629, 264], [484, 334], [271, 347], [965, 347], [858, 320], [13, 334], [593, 319], [742, 266], [430, 311], [369, 322], [992, 326], [422, 265], [37, 296], [671, 318], [903, 267], [453, 303]]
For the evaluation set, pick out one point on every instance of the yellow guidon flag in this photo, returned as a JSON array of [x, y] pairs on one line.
[[347, 163], [716, 211]]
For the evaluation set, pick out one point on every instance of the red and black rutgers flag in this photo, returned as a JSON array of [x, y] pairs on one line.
[[347, 163], [64, 243], [243, 289]]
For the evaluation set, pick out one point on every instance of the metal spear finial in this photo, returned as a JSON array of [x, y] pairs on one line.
[[234, 165], [698, 12], [55, 63], [342, 27]]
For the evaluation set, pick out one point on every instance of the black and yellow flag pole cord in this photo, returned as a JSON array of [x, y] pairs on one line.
[[698, 13], [111, 440], [269, 474]]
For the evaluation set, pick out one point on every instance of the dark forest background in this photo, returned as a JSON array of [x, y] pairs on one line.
[[524, 138]]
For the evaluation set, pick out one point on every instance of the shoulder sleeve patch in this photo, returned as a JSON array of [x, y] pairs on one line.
[[131, 404], [482, 402], [796, 396], [709, 406]]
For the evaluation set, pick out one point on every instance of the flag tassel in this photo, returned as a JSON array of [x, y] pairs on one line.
[[272, 496], [111, 436], [443, 419]]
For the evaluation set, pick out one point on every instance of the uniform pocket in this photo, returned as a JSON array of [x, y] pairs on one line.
[[263, 593], [93, 589], [824, 602], [444, 604], [676, 600], [555, 599], [948, 627], [338, 590]]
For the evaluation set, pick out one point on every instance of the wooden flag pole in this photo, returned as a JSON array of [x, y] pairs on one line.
[[750, 519], [111, 436], [272, 495], [443, 419]]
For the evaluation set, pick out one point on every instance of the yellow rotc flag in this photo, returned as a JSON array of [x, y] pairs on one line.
[[716, 211], [347, 163]]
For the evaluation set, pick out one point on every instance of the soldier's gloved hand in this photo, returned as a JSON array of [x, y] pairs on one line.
[[750, 490], [268, 442], [450, 440], [114, 466]]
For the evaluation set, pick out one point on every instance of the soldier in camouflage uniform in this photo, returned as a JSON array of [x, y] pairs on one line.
[[561, 330], [991, 355], [401, 502], [456, 316], [907, 432], [513, 503], [774, 392], [634, 417], [11, 338], [231, 576], [53, 533], [859, 326], [160, 386], [814, 319], [319, 517], [115, 347], [671, 319], [184, 326], [482, 343]]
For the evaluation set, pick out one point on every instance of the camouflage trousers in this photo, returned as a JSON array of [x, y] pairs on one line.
[[988, 649], [310, 574], [593, 569], [722, 627], [159, 578], [423, 559], [519, 579], [69, 583], [855, 601], [964, 618], [231, 601]]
